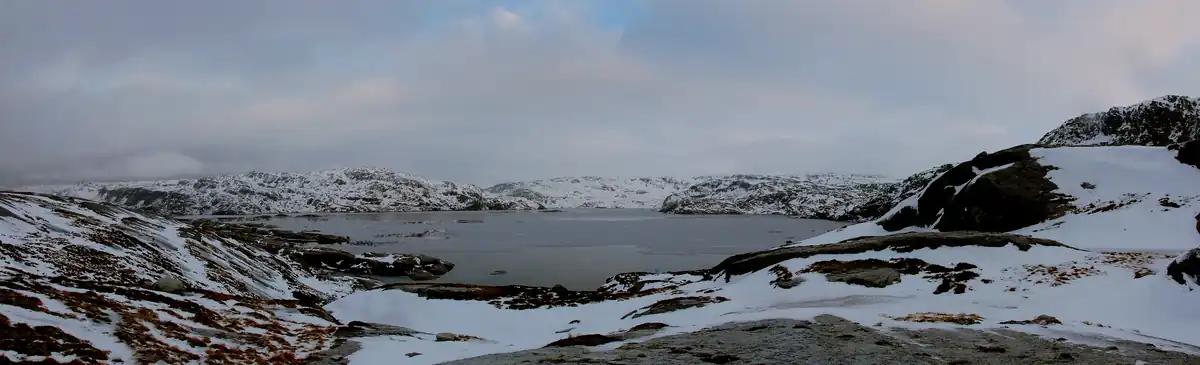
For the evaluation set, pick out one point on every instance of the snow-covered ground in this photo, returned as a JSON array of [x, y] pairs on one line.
[[74, 279], [1090, 289]]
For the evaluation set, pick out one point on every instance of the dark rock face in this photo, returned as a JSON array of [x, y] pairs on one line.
[[1160, 122], [415, 266], [1015, 193], [1187, 152], [901, 242], [896, 193], [1186, 267]]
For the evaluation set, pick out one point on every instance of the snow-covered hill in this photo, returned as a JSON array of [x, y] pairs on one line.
[[83, 282], [338, 190], [1028, 239], [818, 196], [595, 192], [1158, 122]]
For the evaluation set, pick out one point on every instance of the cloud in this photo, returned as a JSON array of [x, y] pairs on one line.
[[491, 91]]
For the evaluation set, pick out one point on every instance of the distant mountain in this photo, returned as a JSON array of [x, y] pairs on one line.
[[1158, 122], [362, 189], [595, 192], [818, 196]]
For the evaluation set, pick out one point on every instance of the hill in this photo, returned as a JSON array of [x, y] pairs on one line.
[[817, 196], [1158, 122], [327, 191], [594, 191]]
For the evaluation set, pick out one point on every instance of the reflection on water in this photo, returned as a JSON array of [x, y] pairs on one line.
[[574, 248]]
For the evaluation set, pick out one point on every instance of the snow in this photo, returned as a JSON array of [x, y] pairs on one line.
[[142, 247], [358, 189], [820, 196], [1021, 284], [597, 192]]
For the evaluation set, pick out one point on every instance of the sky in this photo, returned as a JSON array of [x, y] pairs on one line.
[[491, 91]]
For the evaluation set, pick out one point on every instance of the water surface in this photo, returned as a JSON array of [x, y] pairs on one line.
[[574, 248]]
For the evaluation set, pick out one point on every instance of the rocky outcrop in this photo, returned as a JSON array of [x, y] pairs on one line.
[[833, 340], [816, 196], [414, 266], [1187, 152], [897, 193], [901, 242], [330, 191], [993, 192], [1159, 122], [1185, 269]]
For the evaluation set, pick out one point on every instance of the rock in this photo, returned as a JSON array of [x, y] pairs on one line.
[[1187, 152], [437, 269], [1015, 193], [169, 284], [832, 340], [874, 278], [421, 275], [1163, 121], [790, 283], [1185, 269], [447, 336], [674, 304], [415, 266], [900, 242], [1043, 320], [356, 329], [584, 340]]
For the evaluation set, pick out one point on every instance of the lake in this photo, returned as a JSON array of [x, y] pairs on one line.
[[575, 248]]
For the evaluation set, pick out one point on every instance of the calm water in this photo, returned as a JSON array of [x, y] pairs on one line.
[[575, 248]]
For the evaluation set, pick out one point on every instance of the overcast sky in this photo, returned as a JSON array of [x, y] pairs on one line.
[[489, 91]]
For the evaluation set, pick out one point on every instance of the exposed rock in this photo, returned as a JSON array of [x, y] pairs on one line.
[[356, 329], [584, 340], [447, 337], [897, 193], [1042, 320], [874, 278], [832, 340], [169, 284], [901, 242], [637, 282], [415, 266], [1159, 122], [1187, 152], [997, 192], [1185, 269], [674, 304]]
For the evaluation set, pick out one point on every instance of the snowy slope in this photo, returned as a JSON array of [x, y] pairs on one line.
[[865, 273], [86, 240], [339, 190], [595, 192], [74, 279], [818, 196], [1158, 122]]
